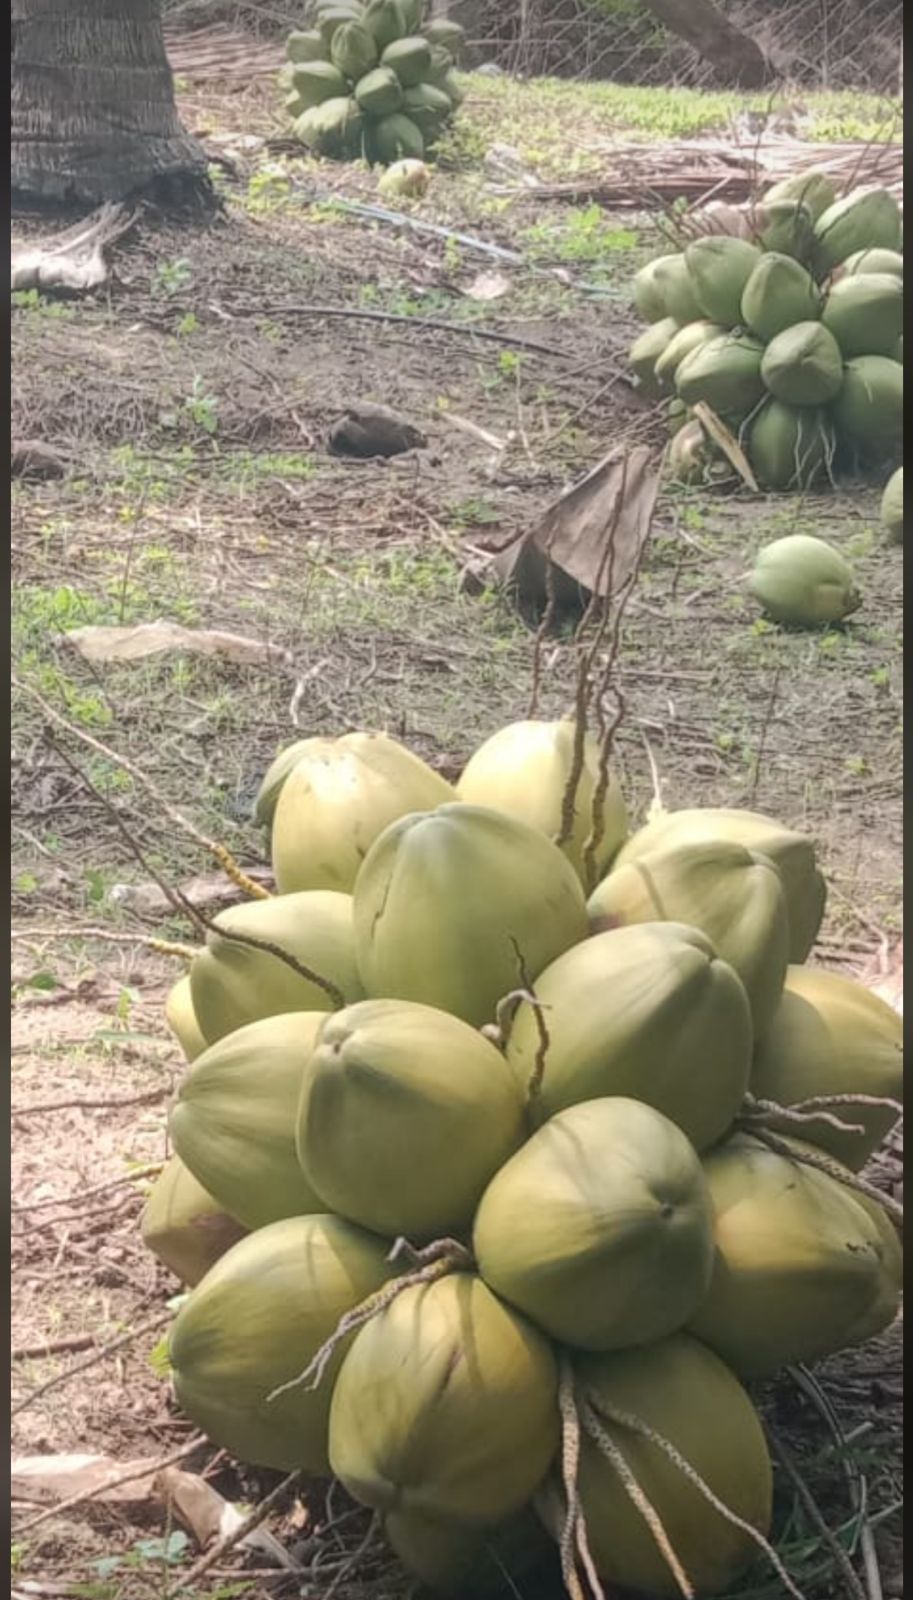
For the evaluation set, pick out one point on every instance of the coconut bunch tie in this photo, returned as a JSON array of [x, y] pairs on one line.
[[548, 1141], [786, 320], [374, 81]]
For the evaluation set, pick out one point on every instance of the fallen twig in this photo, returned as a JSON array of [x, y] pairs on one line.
[[147, 1098], [132, 1476], [150, 1171], [83, 1366], [259, 1514]]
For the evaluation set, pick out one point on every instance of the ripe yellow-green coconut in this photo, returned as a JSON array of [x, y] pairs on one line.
[[255, 1322], [182, 1020], [599, 1228], [404, 1116], [686, 1395], [184, 1226], [646, 350], [486, 1563], [450, 906], [233, 982], [792, 853], [445, 1406], [832, 1036], [338, 797], [233, 1123], [804, 1266], [524, 770], [648, 1012], [732, 895]]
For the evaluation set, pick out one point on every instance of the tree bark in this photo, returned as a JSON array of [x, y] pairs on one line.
[[93, 114], [701, 24]]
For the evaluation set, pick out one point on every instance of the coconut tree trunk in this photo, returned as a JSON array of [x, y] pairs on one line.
[[701, 24], [93, 113]]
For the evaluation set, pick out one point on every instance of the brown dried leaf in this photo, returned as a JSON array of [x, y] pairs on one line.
[[208, 1515], [157, 638], [43, 1480], [488, 286], [727, 442]]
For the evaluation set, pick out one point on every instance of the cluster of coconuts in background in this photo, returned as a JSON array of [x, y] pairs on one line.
[[499, 1113]]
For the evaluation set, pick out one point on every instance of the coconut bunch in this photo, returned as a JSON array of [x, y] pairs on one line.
[[788, 327], [512, 1136], [373, 80]]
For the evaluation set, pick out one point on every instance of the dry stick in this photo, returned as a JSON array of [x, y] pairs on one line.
[[146, 1099], [856, 1479], [71, 1345], [352, 1561], [765, 729], [218, 851], [149, 1171], [133, 1476], [165, 947], [551, 601], [439, 1259], [222, 1546], [626, 1419], [648, 1511], [465, 330], [97, 1355], [823, 1163], [185, 907], [817, 1516]]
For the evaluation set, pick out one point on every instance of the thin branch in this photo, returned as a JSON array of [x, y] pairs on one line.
[[221, 1547], [100, 1354], [150, 1171], [165, 947], [148, 1098], [817, 1516]]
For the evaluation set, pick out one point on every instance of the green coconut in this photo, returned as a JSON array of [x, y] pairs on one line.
[[486, 1563], [395, 138], [793, 855], [184, 1226], [803, 580], [688, 1397], [524, 770], [599, 1228], [353, 50], [867, 219], [255, 1321], [445, 1406], [330, 19], [677, 414], [649, 293], [869, 409], [864, 312], [385, 20], [449, 34], [412, 14], [233, 1124], [871, 261], [803, 366], [786, 227], [233, 983], [428, 107], [719, 268], [790, 447], [404, 1116], [333, 129], [410, 59], [452, 906], [778, 293], [379, 92], [645, 352], [182, 1019], [672, 282], [725, 373], [305, 45], [832, 1036], [803, 1265], [317, 81], [337, 799], [892, 506], [650, 1013], [680, 345], [691, 454], [733, 895], [813, 189]]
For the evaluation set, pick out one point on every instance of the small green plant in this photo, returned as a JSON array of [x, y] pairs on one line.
[[188, 324], [171, 277], [31, 300], [268, 190], [584, 236], [202, 407]]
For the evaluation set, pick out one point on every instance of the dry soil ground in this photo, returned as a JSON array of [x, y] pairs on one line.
[[192, 399]]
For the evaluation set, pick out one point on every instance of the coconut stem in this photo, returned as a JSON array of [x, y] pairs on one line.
[[435, 1261], [603, 1440], [815, 1109], [573, 1541], [627, 1419], [821, 1162]]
